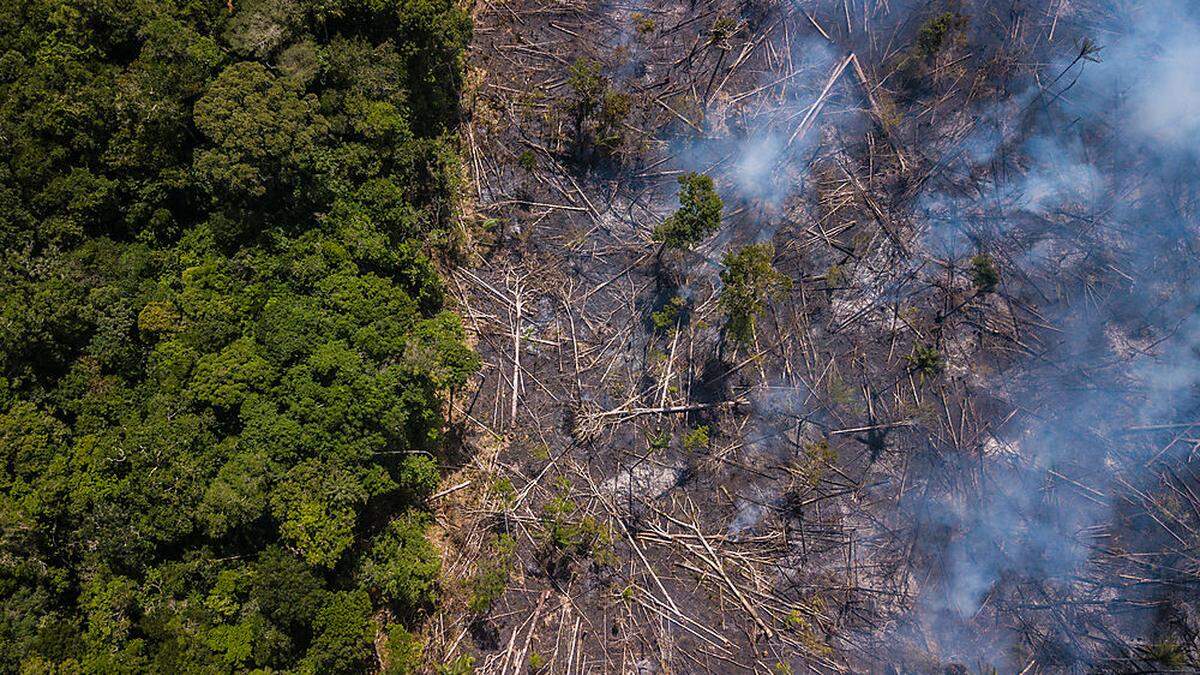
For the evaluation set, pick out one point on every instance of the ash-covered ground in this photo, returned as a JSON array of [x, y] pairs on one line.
[[964, 440]]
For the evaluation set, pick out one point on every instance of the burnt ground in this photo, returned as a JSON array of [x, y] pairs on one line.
[[818, 523]]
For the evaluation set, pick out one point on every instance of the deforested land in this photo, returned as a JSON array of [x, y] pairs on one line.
[[414, 336]]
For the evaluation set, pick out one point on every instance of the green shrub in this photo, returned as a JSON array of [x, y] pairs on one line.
[[1166, 654], [463, 665], [567, 535], [933, 34], [660, 441], [722, 29], [933, 37], [926, 360], [984, 275], [696, 438], [491, 578], [405, 653], [503, 489], [667, 318]]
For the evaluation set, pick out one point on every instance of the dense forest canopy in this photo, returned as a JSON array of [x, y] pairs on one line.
[[224, 348]]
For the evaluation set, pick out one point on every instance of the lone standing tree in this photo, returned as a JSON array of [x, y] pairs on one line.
[[750, 281], [699, 213]]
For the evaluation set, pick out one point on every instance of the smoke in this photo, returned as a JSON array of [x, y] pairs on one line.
[[754, 172], [1100, 196], [1154, 69], [1085, 180], [750, 149], [749, 146]]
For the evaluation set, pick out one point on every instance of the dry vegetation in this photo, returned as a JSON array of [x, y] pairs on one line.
[[642, 491]]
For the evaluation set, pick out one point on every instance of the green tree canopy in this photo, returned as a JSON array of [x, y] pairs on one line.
[[750, 281], [698, 216], [224, 348]]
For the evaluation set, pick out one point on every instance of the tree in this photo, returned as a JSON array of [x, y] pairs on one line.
[[597, 110], [698, 216], [750, 281], [317, 507], [265, 136], [342, 634], [402, 567]]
